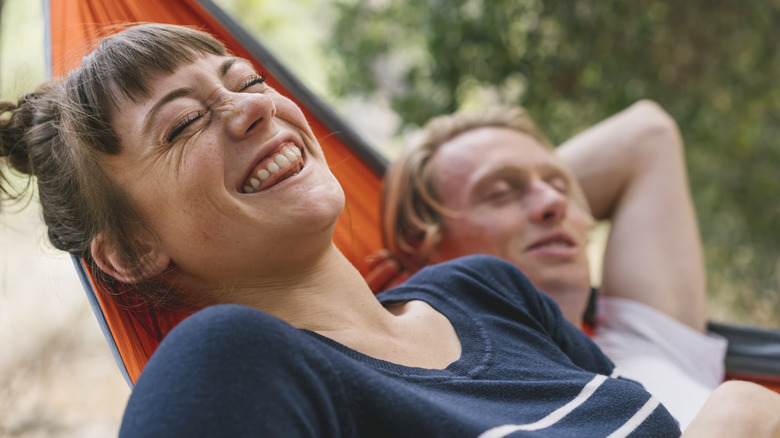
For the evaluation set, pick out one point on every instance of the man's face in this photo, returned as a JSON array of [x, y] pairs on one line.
[[512, 199]]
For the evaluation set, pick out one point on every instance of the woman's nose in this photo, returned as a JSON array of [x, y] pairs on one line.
[[548, 203], [249, 113]]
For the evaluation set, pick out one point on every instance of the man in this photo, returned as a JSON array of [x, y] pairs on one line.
[[491, 183]]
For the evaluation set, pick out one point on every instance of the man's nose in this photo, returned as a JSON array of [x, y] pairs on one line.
[[548, 203]]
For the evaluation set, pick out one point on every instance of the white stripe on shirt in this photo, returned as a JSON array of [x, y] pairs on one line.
[[554, 416], [634, 422]]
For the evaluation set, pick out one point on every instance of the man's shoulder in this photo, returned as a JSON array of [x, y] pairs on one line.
[[477, 267], [478, 280]]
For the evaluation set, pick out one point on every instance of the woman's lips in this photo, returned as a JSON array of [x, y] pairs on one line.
[[284, 162]]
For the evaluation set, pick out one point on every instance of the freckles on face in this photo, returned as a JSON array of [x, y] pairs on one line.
[[185, 169]]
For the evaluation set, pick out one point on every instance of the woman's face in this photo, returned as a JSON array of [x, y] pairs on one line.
[[227, 173]]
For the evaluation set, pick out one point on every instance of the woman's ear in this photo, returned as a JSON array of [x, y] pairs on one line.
[[107, 258]]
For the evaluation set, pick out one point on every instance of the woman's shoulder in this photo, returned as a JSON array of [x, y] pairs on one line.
[[231, 362], [224, 339], [229, 323]]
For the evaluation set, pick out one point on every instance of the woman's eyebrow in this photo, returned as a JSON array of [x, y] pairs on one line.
[[152, 114], [230, 62], [224, 68]]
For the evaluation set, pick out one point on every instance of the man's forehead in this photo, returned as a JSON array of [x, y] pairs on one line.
[[487, 148]]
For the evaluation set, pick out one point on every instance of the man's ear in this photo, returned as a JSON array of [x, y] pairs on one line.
[[107, 258]]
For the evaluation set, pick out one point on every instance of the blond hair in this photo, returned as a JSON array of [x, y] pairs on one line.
[[412, 210]]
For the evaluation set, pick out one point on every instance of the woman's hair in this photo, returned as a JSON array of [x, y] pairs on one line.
[[61, 133], [412, 210]]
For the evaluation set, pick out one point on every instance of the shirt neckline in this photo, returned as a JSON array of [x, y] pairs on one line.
[[477, 350]]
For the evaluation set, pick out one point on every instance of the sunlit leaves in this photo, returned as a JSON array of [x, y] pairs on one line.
[[713, 64]]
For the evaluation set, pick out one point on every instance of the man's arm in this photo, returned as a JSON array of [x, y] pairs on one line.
[[738, 409], [632, 169]]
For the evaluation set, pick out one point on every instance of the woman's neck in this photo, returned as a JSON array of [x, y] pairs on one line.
[[331, 297], [321, 295]]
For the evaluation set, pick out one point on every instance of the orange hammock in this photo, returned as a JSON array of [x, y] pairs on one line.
[[75, 25], [133, 335]]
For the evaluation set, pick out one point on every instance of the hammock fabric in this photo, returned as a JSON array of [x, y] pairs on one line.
[[74, 27], [133, 331]]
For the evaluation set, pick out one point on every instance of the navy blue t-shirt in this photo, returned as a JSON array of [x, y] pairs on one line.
[[523, 371]]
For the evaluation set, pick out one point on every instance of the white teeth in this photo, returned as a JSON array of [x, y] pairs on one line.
[[289, 154], [281, 160], [263, 174]]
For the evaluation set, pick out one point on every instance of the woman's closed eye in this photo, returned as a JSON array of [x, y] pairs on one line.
[[183, 123], [254, 83]]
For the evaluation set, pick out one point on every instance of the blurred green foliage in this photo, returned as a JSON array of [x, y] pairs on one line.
[[714, 65]]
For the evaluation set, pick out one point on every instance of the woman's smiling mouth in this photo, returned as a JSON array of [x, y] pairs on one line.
[[283, 163]]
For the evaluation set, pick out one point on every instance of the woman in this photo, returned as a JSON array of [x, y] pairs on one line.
[[207, 189]]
